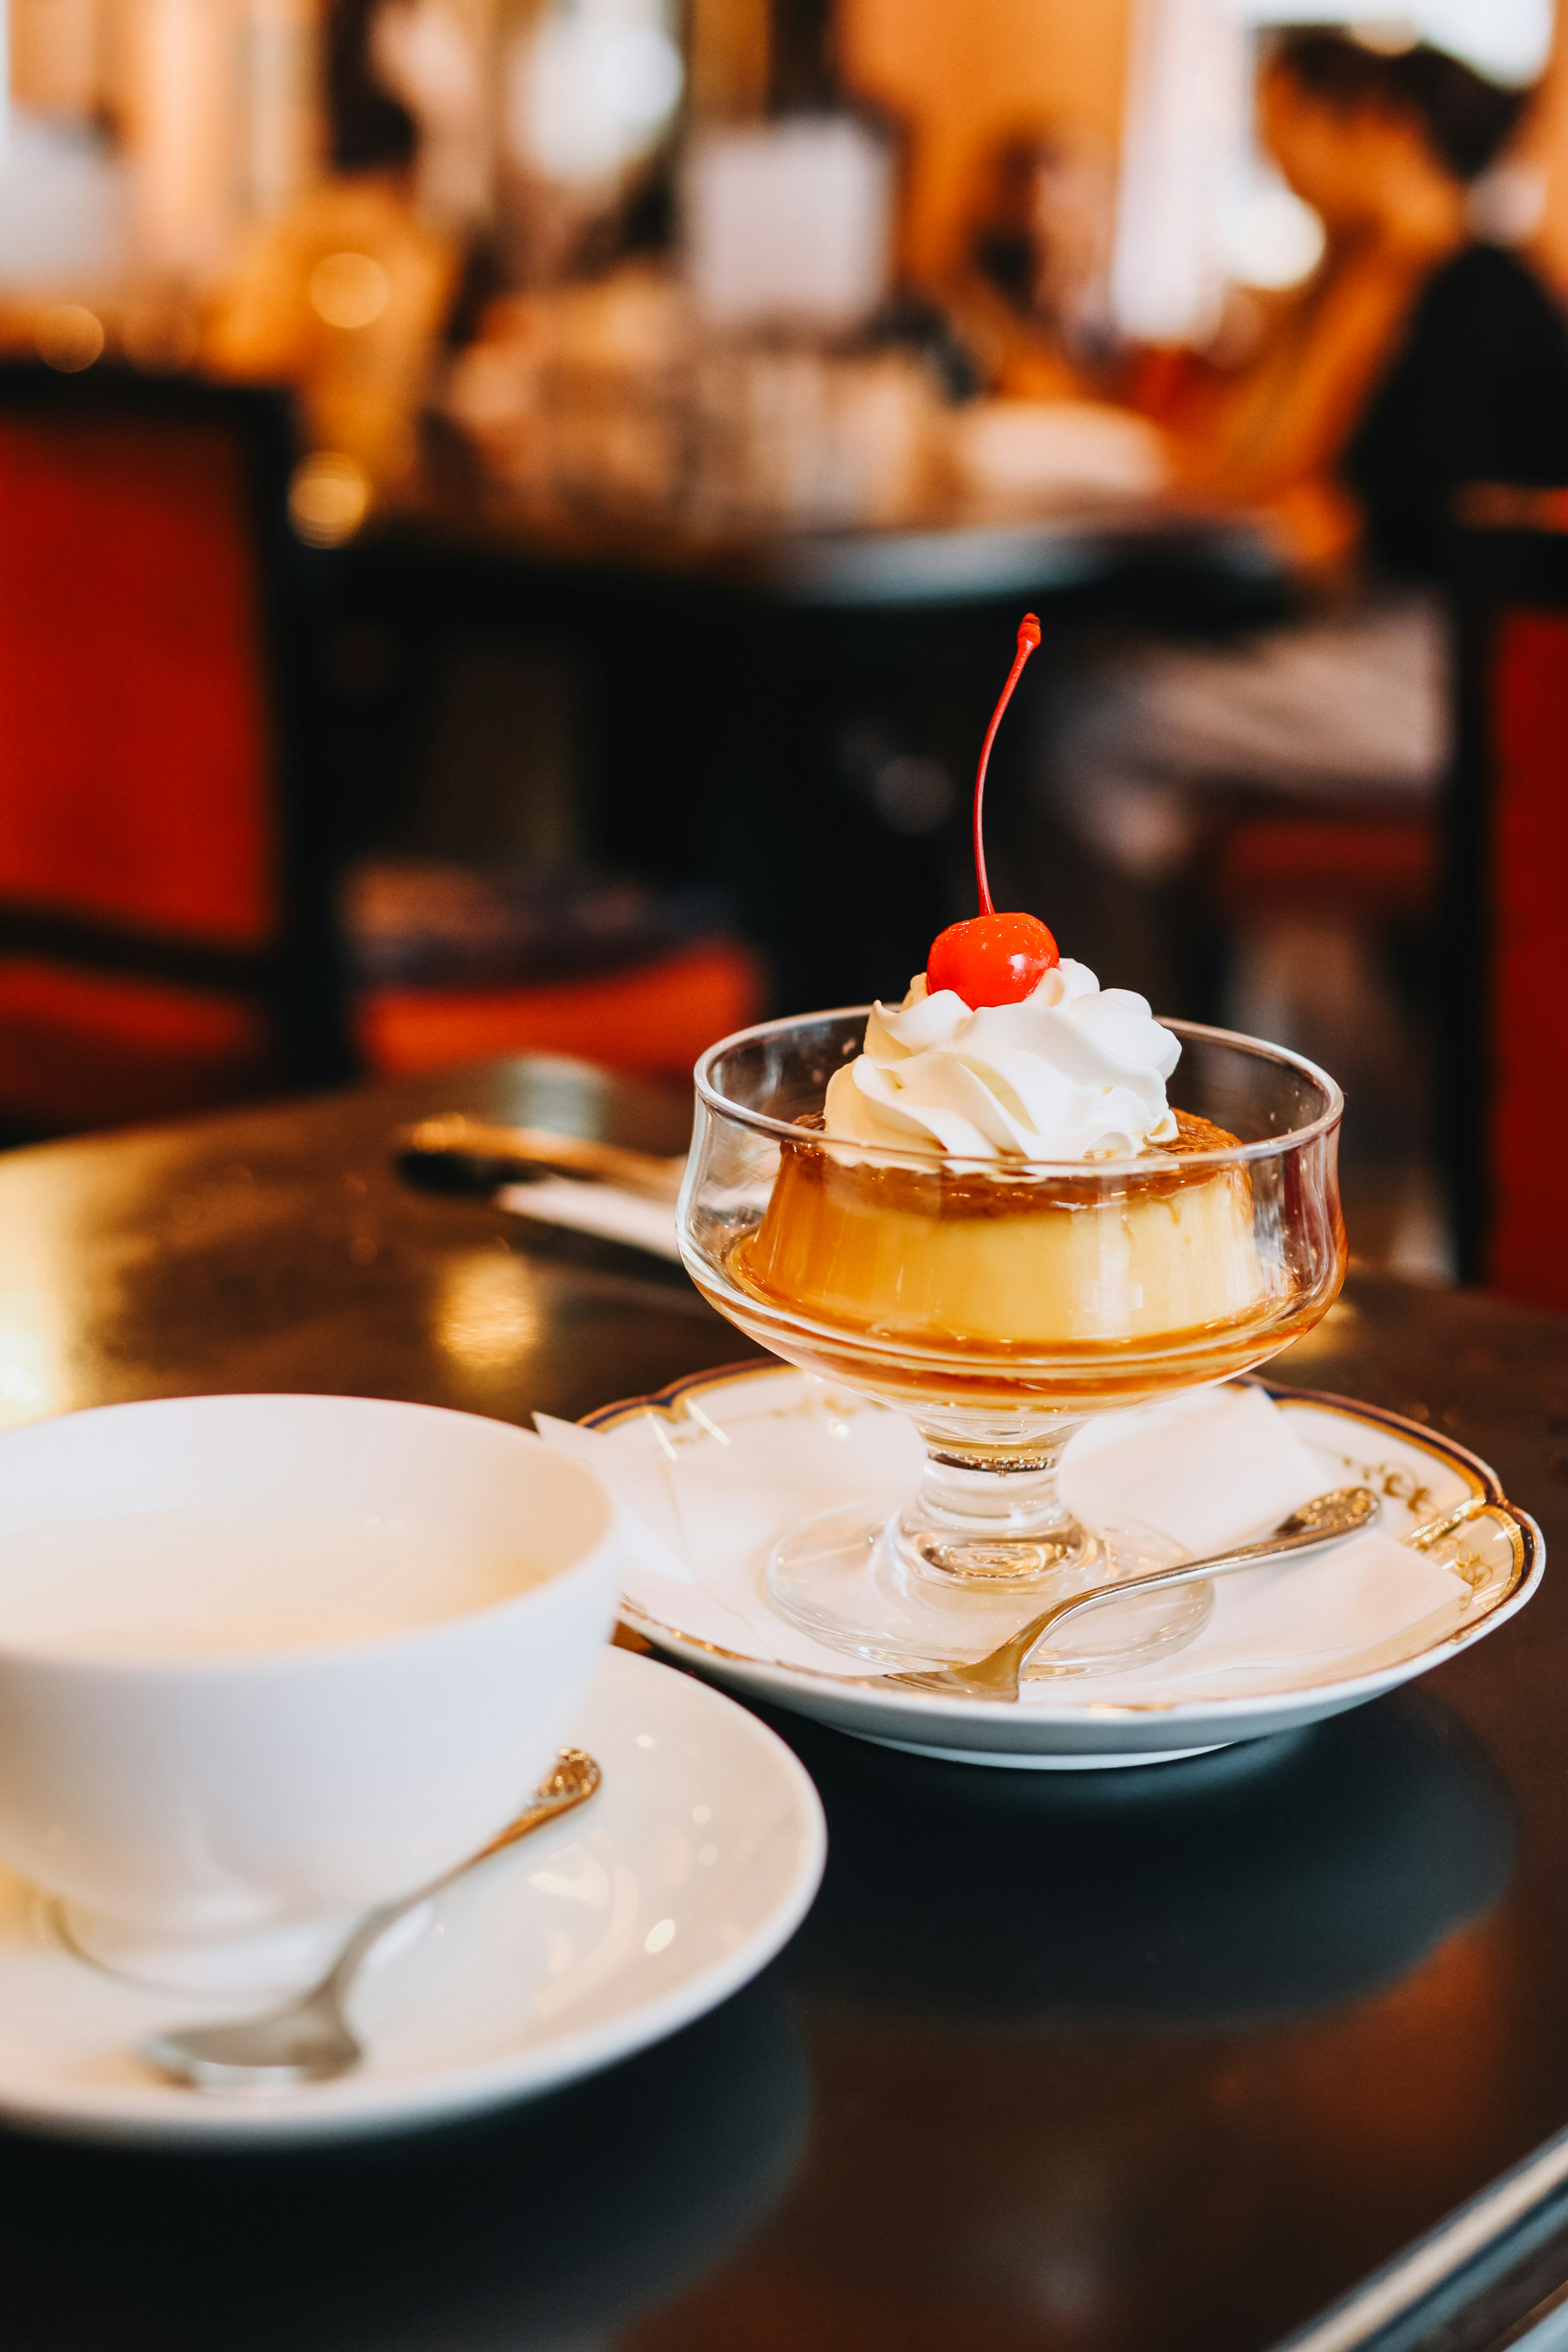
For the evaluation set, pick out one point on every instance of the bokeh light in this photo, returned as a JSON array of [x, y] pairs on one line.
[[349, 290], [69, 337], [329, 497]]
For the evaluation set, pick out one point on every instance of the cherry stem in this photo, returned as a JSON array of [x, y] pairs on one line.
[[1029, 639]]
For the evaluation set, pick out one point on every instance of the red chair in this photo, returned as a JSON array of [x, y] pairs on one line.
[[1380, 865], [650, 1021], [1506, 937], [165, 882]]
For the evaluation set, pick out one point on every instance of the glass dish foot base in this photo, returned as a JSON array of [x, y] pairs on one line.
[[846, 1577]]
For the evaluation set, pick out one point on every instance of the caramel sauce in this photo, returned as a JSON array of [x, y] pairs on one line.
[[951, 1191]]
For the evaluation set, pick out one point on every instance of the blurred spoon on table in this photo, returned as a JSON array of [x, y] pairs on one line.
[[453, 1153]]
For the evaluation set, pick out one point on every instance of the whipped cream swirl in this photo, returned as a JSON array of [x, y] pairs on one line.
[[1074, 1072]]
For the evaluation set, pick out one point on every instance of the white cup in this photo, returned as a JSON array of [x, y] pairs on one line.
[[268, 1660]]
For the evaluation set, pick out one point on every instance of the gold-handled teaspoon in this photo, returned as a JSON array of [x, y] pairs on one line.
[[1326, 1520], [309, 2040]]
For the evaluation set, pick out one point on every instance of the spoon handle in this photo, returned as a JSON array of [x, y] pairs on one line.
[[573, 1781], [1003, 1666], [1186, 1571], [1192, 1571], [462, 1149]]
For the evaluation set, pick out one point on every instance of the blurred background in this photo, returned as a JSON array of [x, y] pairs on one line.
[[514, 513]]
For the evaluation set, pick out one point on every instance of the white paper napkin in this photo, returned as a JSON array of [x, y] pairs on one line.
[[1362, 1592], [640, 1482], [1206, 1468], [596, 1208], [703, 1507]]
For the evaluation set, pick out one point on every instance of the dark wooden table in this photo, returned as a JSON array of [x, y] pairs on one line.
[[1168, 2062]]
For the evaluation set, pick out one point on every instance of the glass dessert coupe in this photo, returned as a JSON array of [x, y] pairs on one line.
[[999, 1307]]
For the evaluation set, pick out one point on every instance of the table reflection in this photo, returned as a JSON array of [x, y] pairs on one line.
[[1261, 1882], [1133, 2062], [545, 2228]]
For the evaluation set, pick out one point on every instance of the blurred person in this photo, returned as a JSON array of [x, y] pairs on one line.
[[434, 56], [1415, 359], [1033, 298], [344, 295]]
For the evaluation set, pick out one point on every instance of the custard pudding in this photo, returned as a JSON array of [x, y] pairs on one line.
[[982, 1245], [947, 1253]]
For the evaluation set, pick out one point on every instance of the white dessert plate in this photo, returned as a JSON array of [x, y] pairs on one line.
[[773, 1431], [692, 1866]]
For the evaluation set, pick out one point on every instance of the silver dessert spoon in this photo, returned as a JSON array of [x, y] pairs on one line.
[[1326, 1520], [309, 2040]]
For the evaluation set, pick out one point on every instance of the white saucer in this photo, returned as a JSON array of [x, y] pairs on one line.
[[692, 1866], [780, 1436]]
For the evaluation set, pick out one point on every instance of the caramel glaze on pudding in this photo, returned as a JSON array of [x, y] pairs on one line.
[[950, 1256]]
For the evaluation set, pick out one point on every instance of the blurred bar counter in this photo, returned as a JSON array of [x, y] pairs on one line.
[[1133, 550]]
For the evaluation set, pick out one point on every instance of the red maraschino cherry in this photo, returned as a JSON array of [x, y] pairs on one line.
[[994, 959]]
